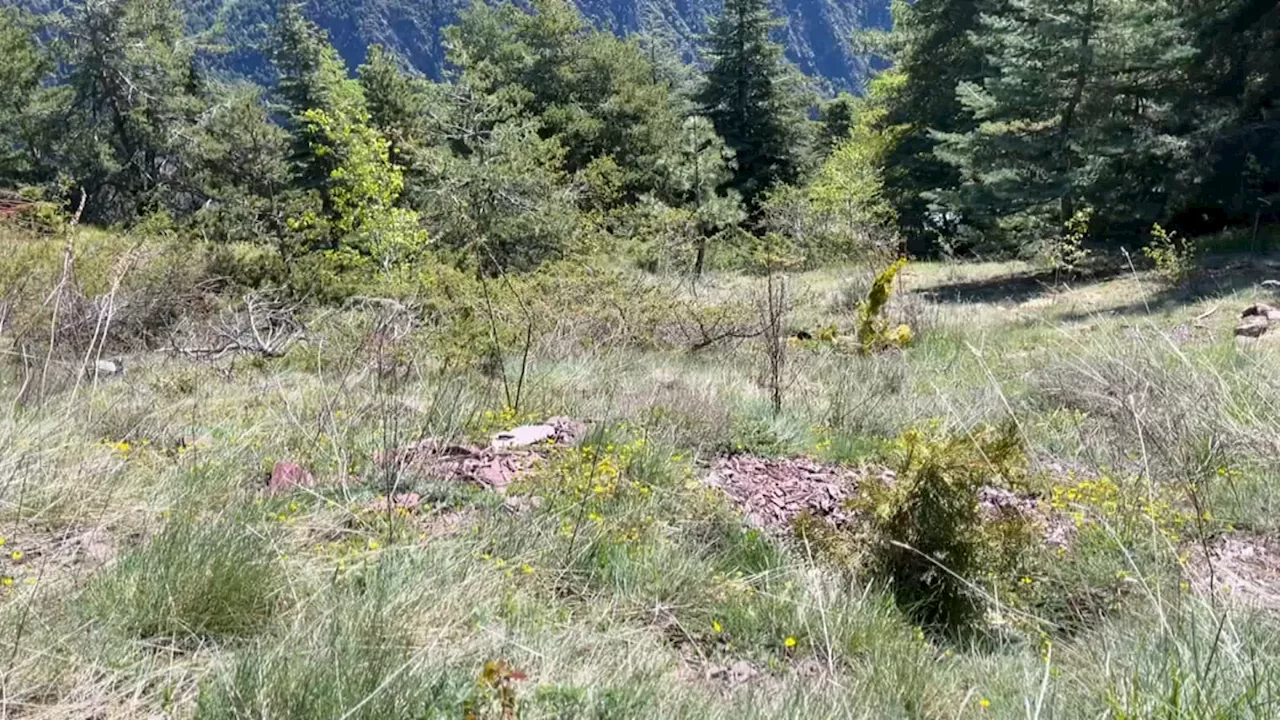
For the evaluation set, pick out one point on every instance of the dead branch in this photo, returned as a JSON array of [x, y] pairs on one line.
[[261, 326]]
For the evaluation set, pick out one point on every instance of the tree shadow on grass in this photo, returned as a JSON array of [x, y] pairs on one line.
[[1018, 287], [1216, 278]]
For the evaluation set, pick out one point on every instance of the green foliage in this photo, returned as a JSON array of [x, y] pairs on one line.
[[312, 79], [1046, 136], [1066, 253], [241, 165], [933, 51], [755, 99], [1174, 256], [115, 126], [874, 333], [849, 187], [364, 188], [597, 95], [502, 204], [926, 531], [836, 118], [23, 67]]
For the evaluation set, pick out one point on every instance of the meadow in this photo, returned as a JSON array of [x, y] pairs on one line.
[[152, 568]]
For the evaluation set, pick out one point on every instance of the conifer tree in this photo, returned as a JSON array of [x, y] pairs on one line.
[[1077, 112], [932, 50], [755, 99]]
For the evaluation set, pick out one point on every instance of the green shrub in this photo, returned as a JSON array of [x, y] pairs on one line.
[[1066, 253], [925, 531], [1174, 257], [874, 329]]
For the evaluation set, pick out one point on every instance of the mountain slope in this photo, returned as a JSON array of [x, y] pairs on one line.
[[816, 35]]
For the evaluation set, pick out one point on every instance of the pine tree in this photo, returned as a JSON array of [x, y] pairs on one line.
[[131, 74], [1076, 112], [932, 50], [699, 167], [755, 99], [834, 122], [597, 94], [339, 154], [1231, 111], [397, 102], [312, 77], [24, 66]]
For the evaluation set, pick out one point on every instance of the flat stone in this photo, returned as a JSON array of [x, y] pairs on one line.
[[524, 436]]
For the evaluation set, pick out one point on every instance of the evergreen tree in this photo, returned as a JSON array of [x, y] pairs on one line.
[[932, 50], [597, 94], [312, 77], [397, 103], [135, 93], [834, 122], [1231, 112], [1077, 112], [755, 99], [241, 166], [699, 167], [24, 66], [341, 156]]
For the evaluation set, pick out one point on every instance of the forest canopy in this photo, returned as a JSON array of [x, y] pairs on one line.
[[995, 124]]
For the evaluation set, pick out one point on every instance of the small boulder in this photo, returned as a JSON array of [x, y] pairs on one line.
[[524, 436], [106, 368], [287, 475], [1264, 310], [558, 430]]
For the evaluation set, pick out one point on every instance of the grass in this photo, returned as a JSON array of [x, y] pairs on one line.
[[150, 572]]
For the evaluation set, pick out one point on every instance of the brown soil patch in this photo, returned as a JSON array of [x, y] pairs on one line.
[[1243, 568]]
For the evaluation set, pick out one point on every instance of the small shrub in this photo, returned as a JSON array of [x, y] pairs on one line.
[[1066, 253], [926, 532], [1174, 257], [875, 332]]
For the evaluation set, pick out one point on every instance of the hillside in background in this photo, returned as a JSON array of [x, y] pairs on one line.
[[816, 36]]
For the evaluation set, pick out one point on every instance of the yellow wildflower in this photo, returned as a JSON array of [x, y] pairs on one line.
[[985, 703], [374, 545], [16, 555], [790, 642], [715, 626]]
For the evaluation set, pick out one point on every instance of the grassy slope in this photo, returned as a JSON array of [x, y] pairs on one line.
[[152, 577]]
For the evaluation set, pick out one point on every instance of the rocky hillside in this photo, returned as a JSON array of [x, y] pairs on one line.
[[817, 31]]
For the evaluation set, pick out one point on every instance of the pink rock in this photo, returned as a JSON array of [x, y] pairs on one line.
[[287, 475]]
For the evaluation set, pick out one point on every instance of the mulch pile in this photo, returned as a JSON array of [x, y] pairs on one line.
[[771, 492], [510, 454]]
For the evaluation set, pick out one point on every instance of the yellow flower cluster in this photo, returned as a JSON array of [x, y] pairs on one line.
[[1127, 507]]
